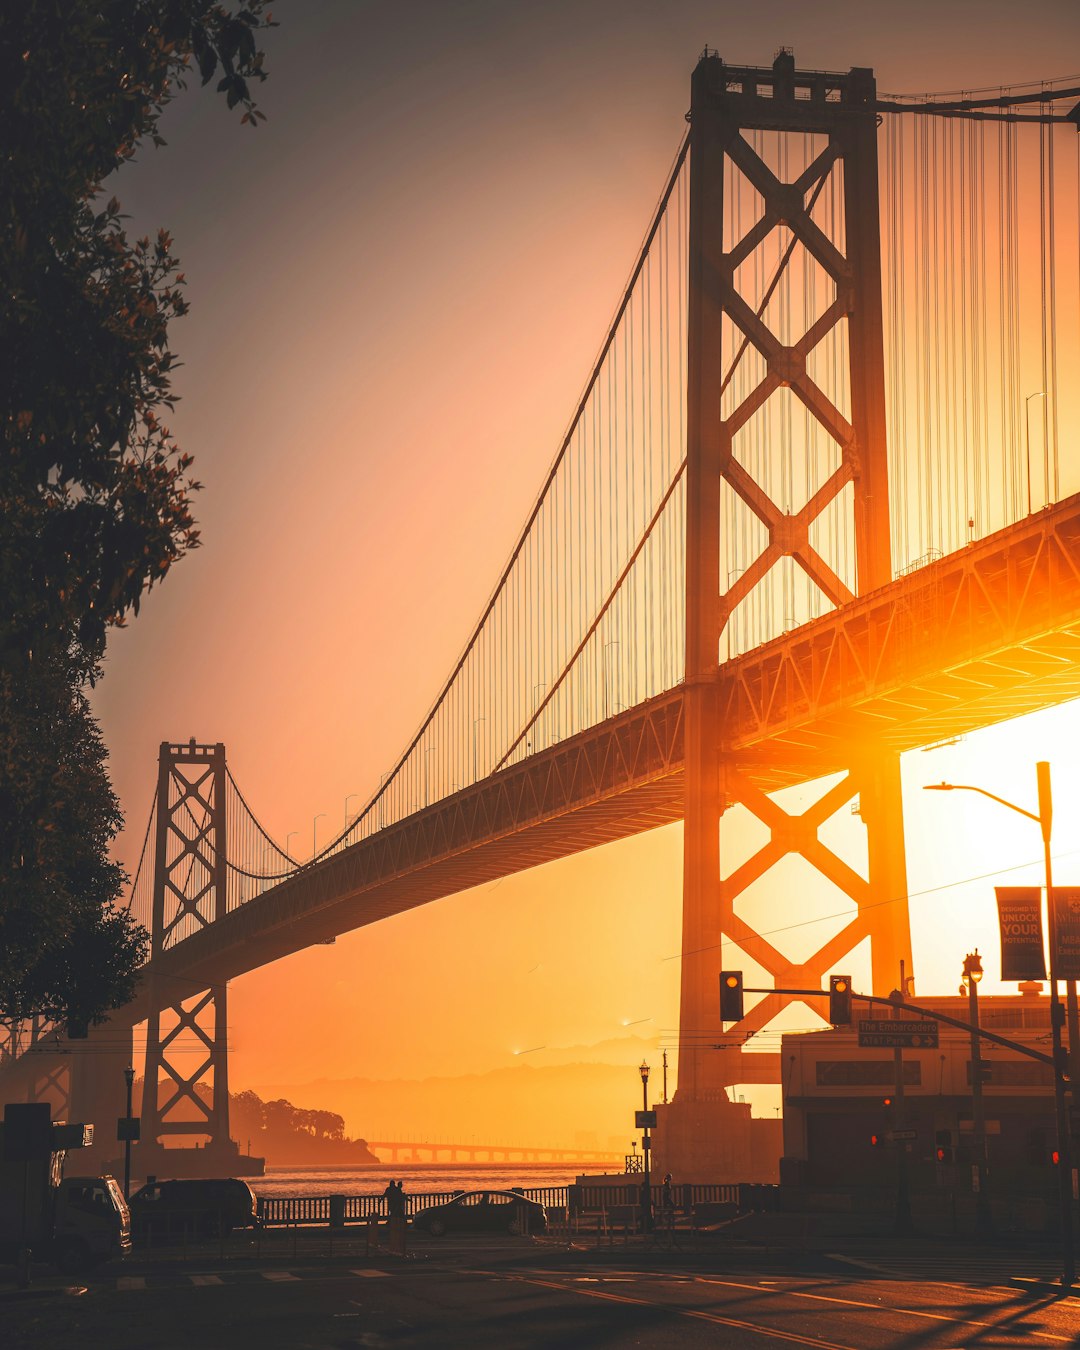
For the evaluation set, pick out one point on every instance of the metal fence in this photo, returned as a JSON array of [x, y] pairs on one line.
[[338, 1210]]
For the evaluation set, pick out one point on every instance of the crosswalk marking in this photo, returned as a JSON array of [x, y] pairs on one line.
[[278, 1275], [131, 1282], [370, 1274], [988, 1269], [205, 1279]]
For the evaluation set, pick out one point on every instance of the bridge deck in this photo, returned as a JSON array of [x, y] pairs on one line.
[[975, 638]]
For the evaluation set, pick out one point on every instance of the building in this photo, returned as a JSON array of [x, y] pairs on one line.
[[849, 1111]]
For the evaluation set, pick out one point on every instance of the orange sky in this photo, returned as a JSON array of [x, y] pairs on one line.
[[398, 285]]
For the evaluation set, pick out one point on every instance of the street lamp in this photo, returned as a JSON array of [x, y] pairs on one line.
[[973, 973], [1039, 393], [1044, 820], [315, 832], [129, 1079], [287, 838], [646, 1148], [348, 799]]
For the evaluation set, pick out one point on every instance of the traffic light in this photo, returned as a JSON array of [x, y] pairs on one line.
[[731, 996], [944, 1150], [840, 1000], [1055, 1158], [876, 1140], [886, 1101]]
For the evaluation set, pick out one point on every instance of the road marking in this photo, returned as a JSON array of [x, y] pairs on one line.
[[883, 1307], [854, 1261], [205, 1279], [370, 1274], [131, 1282], [278, 1275], [698, 1315]]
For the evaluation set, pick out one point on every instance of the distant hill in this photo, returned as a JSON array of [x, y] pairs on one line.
[[569, 1105]]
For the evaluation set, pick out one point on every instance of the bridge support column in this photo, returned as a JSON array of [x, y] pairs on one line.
[[186, 1091], [703, 1135]]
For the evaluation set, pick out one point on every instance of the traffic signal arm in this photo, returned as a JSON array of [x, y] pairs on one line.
[[931, 1013]]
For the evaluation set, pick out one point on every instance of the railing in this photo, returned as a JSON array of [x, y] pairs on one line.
[[292, 1210]]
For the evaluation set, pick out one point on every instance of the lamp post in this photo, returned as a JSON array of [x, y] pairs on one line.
[[1044, 820], [348, 799], [129, 1079], [973, 973], [646, 1148], [287, 838], [1039, 393], [315, 833]]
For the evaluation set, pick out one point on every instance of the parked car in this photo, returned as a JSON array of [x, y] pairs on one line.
[[200, 1207], [483, 1212]]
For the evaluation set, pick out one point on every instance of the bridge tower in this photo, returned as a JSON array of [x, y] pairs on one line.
[[186, 1045], [702, 1134]]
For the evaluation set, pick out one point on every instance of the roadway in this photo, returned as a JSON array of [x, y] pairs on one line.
[[977, 637], [534, 1293]]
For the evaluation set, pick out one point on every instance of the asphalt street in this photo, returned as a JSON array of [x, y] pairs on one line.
[[533, 1293]]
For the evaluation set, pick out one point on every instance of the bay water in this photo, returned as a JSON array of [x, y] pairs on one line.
[[423, 1180]]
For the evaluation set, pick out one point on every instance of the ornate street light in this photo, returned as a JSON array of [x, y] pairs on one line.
[[646, 1148], [129, 1080], [973, 973]]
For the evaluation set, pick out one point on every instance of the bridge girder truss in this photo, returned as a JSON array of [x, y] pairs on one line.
[[966, 641]]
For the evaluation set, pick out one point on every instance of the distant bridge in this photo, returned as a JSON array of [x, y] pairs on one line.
[[413, 1151]]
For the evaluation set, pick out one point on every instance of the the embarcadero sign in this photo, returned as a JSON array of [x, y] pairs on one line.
[[902, 1033]]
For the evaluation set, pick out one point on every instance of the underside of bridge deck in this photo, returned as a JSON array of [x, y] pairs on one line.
[[973, 639]]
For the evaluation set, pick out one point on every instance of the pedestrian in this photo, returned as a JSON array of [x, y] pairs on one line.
[[667, 1199], [390, 1196], [399, 1201]]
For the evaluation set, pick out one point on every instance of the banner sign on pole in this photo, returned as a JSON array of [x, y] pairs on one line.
[[1020, 921], [1067, 924]]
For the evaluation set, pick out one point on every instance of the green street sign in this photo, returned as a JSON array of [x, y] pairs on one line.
[[899, 1033]]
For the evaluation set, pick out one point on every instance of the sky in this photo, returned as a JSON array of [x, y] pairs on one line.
[[397, 287]]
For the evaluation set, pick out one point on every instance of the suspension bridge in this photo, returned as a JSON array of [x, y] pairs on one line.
[[816, 506]]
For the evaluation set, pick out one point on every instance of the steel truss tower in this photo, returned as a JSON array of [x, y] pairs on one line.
[[189, 894], [725, 102]]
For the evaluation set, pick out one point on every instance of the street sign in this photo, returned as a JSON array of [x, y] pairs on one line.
[[27, 1131], [72, 1135], [128, 1129], [904, 1033], [1020, 922], [645, 1120], [1067, 923], [901, 1134]]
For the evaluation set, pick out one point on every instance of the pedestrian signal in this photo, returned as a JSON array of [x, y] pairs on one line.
[[731, 996], [944, 1154], [1055, 1158], [840, 1000], [876, 1140]]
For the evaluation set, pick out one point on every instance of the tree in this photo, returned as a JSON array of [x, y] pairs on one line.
[[95, 495]]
